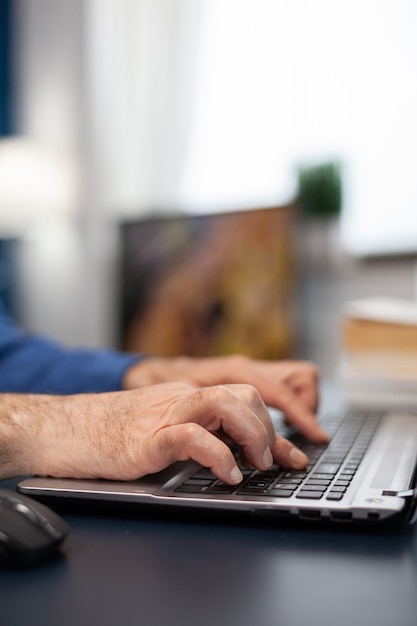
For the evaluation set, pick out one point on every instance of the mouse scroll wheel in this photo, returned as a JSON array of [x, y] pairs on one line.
[[22, 508]]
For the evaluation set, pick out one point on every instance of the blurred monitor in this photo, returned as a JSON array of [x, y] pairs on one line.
[[203, 285]]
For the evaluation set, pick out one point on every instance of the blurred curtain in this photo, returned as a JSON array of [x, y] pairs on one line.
[[141, 64]]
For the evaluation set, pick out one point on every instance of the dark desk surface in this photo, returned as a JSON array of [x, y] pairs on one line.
[[118, 570]]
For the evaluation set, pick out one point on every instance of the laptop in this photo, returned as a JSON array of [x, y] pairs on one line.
[[365, 475]]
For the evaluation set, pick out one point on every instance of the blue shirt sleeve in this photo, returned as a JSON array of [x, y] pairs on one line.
[[34, 364]]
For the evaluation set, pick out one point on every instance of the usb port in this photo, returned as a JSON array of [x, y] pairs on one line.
[[310, 515], [341, 516]]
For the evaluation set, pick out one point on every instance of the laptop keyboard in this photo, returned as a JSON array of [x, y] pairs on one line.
[[328, 475]]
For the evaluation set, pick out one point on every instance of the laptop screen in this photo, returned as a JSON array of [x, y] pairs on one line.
[[204, 285]]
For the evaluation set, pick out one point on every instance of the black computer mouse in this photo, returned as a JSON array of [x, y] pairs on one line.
[[30, 532]]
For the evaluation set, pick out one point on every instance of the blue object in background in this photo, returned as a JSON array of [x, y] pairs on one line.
[[7, 274], [7, 246], [6, 91]]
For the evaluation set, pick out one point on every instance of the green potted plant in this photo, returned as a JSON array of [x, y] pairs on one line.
[[320, 190]]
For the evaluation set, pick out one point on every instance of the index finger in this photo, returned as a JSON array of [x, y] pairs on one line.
[[303, 381], [300, 416]]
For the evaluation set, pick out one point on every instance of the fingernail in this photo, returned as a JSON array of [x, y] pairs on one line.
[[298, 459], [267, 458], [236, 475]]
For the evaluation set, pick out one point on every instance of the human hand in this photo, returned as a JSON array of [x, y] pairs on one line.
[[126, 435], [290, 386]]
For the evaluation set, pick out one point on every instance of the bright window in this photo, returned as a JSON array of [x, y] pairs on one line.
[[282, 83]]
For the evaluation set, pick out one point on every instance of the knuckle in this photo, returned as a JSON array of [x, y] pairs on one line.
[[196, 397], [250, 395], [175, 436], [245, 392], [188, 432], [216, 394]]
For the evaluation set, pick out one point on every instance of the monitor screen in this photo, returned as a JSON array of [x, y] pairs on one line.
[[205, 285]]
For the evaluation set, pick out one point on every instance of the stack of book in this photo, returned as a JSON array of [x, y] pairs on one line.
[[379, 347]]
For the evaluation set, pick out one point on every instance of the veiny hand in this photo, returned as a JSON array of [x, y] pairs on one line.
[[128, 434], [290, 386]]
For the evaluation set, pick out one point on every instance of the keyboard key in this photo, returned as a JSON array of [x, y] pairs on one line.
[[328, 468], [265, 475], [343, 476], [190, 489], [220, 488], [260, 484], [318, 481], [310, 487], [246, 472], [319, 475], [287, 486], [314, 448], [334, 495], [295, 474], [280, 493], [250, 491], [198, 482], [333, 458], [311, 495]]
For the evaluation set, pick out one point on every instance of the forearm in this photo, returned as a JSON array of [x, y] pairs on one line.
[[50, 435], [20, 419]]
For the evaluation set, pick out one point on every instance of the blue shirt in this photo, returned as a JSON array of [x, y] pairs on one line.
[[34, 364]]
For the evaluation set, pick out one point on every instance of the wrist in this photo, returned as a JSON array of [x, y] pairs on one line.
[[154, 370], [142, 373], [17, 426]]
